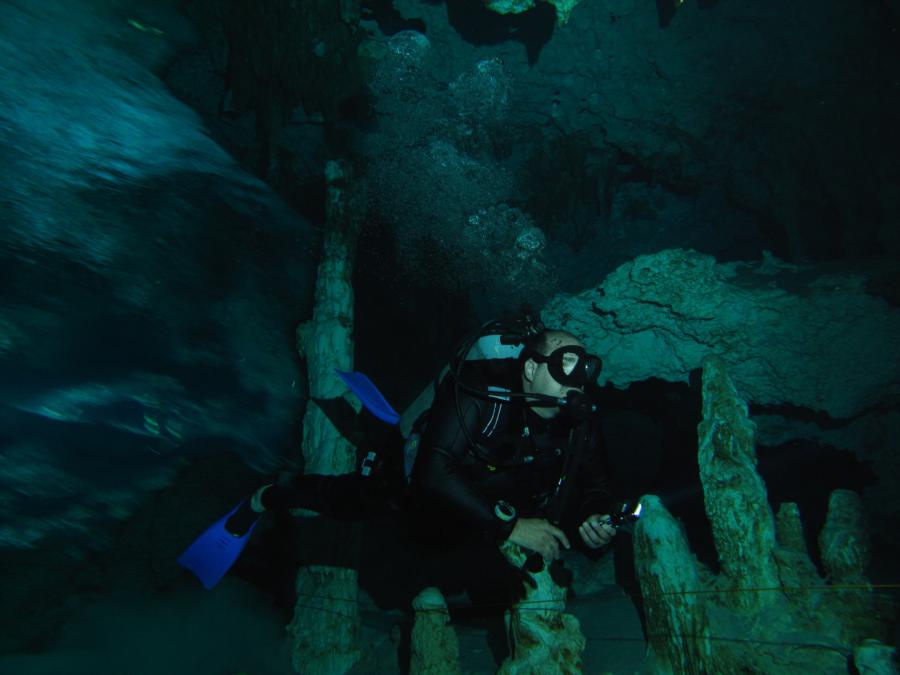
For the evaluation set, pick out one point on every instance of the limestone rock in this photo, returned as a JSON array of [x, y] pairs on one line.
[[544, 638], [736, 502], [797, 573], [324, 632], [768, 611], [563, 7], [326, 340], [844, 545], [773, 324], [435, 649], [509, 6], [325, 627], [790, 529], [844, 542], [871, 437], [874, 658], [669, 575]]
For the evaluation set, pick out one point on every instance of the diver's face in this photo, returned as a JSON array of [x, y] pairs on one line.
[[538, 380]]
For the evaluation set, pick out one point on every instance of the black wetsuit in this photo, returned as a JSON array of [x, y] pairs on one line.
[[520, 459]]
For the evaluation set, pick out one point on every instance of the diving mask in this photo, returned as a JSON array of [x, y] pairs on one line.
[[570, 365]]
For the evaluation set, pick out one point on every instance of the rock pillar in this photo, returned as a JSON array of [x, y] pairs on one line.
[[434, 649], [543, 638], [325, 629], [735, 496]]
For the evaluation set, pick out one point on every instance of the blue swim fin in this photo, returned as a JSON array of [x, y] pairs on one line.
[[371, 398], [214, 551]]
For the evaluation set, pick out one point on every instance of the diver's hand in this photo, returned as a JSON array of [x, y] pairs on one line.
[[539, 535], [596, 531]]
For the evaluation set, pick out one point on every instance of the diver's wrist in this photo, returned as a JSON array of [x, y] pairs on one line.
[[504, 511], [505, 519]]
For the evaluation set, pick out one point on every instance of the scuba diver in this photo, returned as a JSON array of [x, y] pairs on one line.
[[504, 465], [508, 451]]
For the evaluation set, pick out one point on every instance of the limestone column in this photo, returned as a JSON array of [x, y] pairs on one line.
[[677, 623], [734, 494], [543, 638], [324, 632], [844, 545], [434, 649], [874, 658]]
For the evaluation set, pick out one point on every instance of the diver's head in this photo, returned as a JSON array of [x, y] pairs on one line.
[[554, 363]]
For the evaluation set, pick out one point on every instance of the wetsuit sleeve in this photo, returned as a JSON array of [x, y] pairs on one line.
[[593, 479], [439, 476]]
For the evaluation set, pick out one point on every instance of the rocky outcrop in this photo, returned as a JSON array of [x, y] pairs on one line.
[[324, 631], [543, 637], [874, 658], [326, 341], [659, 165], [767, 610], [774, 325], [845, 549], [563, 7], [736, 502], [434, 649], [432, 145]]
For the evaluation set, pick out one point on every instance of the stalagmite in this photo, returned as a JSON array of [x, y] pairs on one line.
[[543, 638], [768, 611], [668, 573], [844, 544], [325, 628], [799, 577], [790, 528], [874, 658], [434, 649], [736, 502]]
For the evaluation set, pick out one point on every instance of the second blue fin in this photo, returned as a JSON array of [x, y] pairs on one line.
[[369, 395]]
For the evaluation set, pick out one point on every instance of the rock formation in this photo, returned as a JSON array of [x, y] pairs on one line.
[[325, 633], [543, 637], [434, 649], [774, 324], [563, 7], [767, 610]]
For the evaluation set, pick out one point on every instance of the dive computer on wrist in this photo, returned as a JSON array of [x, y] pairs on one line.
[[504, 511]]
